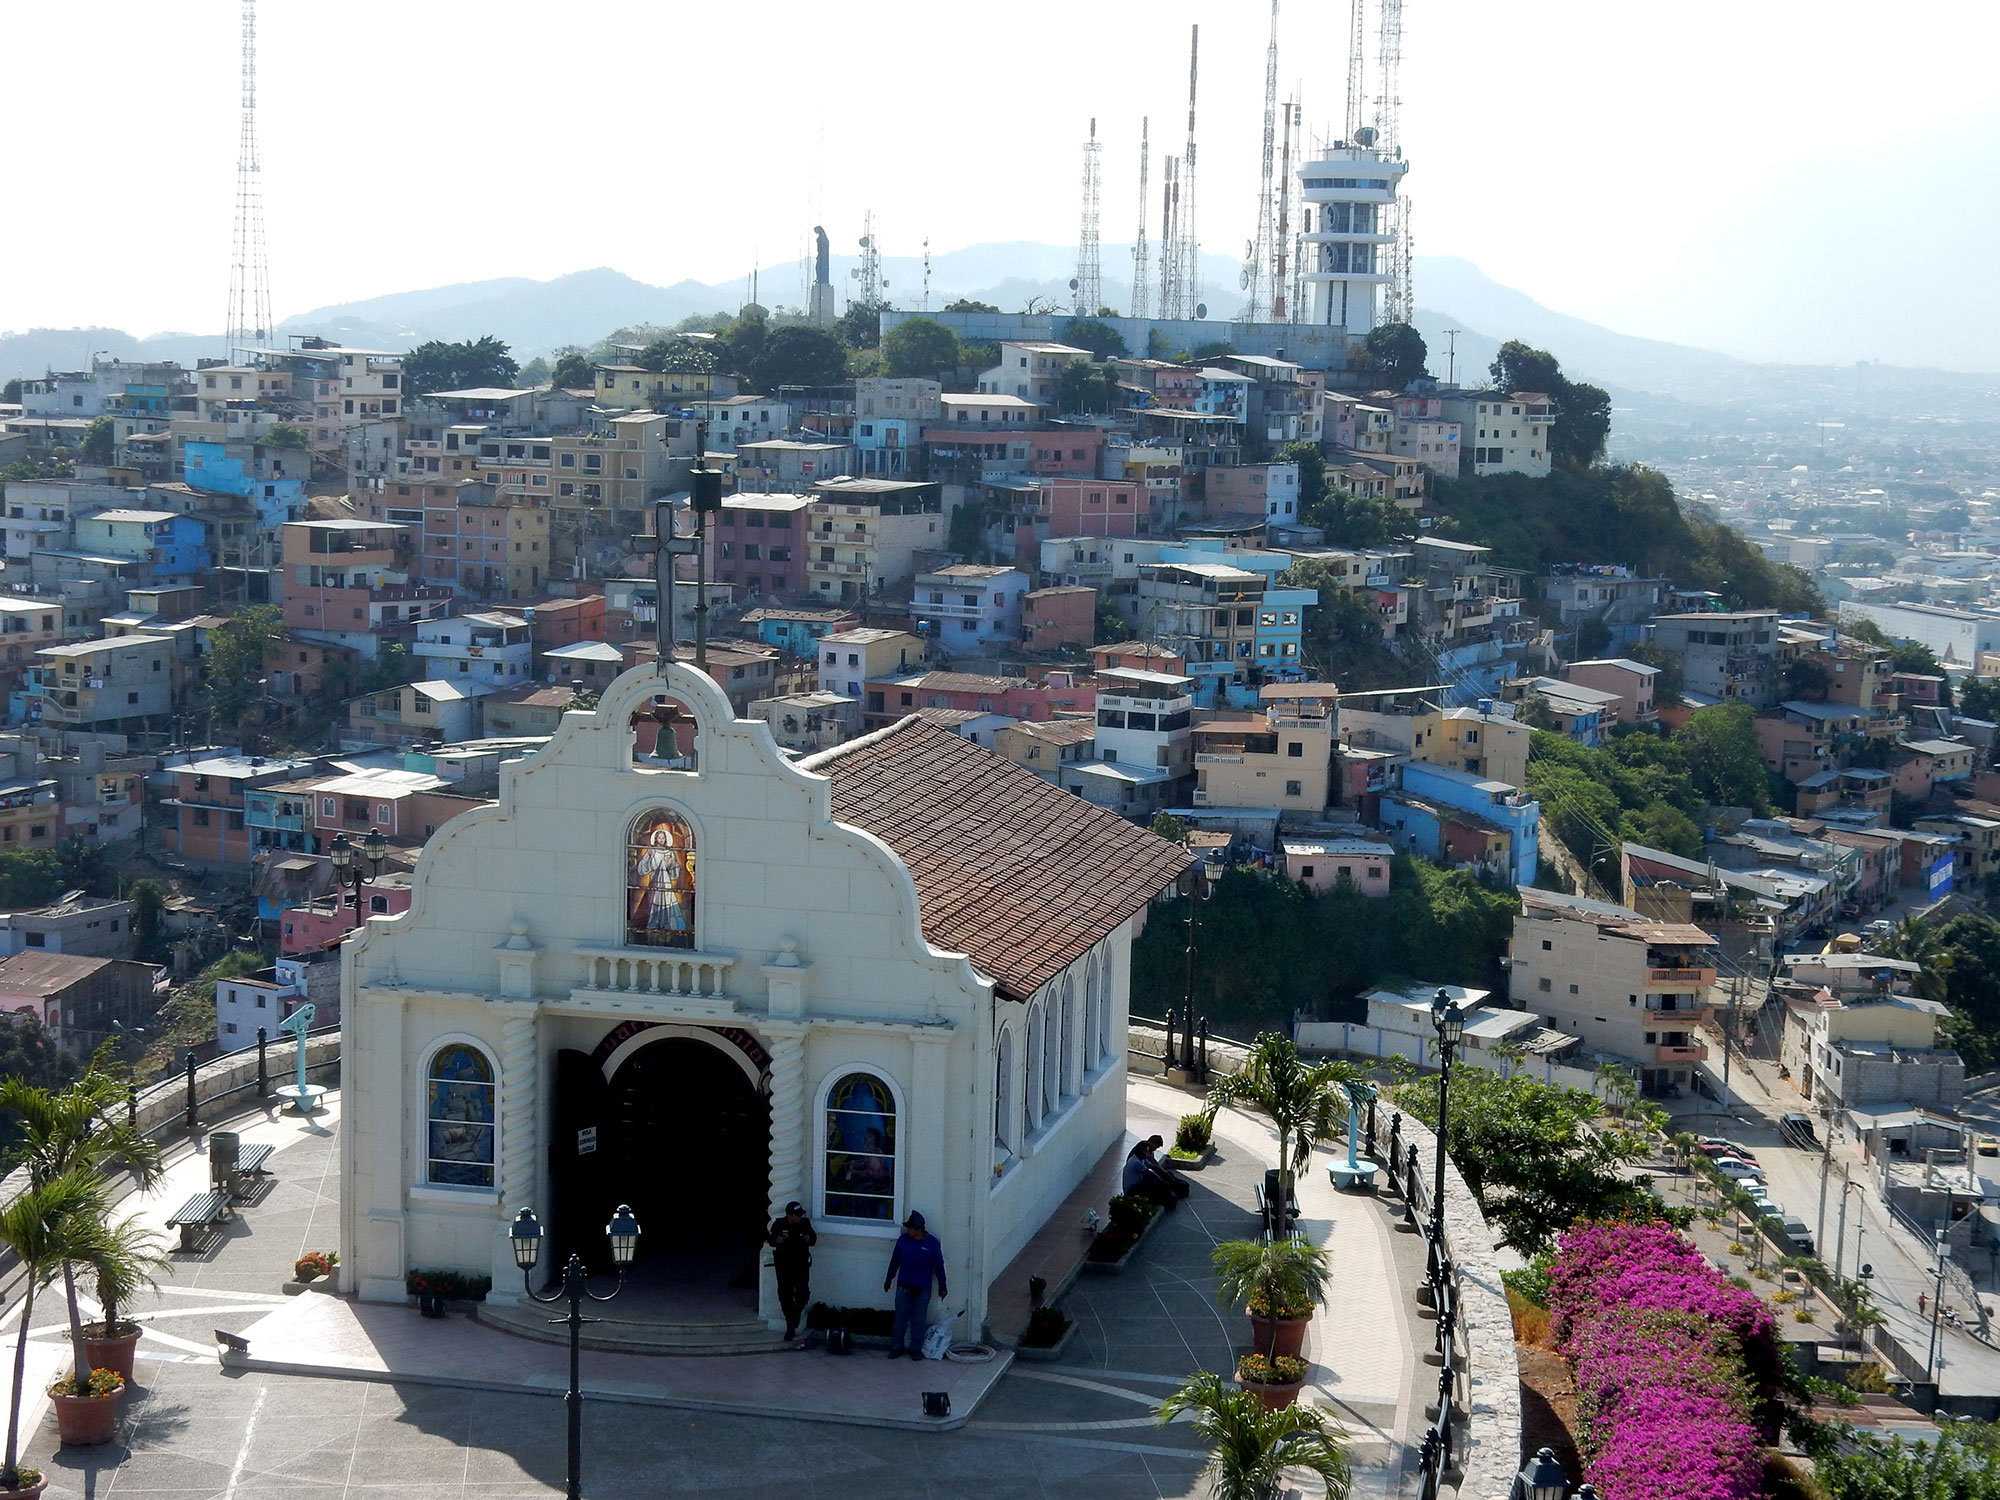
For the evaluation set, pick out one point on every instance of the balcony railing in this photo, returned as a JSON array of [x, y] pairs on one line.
[[1692, 1053], [653, 971], [1689, 978]]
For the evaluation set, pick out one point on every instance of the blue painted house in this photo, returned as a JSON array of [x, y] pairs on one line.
[[265, 482], [174, 545], [1455, 818]]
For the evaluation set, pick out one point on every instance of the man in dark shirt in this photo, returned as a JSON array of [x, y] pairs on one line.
[[791, 1239], [914, 1264]]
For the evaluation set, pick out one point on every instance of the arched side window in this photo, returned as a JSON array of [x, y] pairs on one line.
[[1093, 1044], [1052, 1058], [659, 881], [1032, 1067], [459, 1118], [1004, 1114], [1105, 1041], [860, 1149], [1070, 1041]]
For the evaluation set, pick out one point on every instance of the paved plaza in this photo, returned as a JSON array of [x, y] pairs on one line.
[[1082, 1426]]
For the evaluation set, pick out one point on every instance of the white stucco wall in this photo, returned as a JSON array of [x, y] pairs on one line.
[[807, 938]]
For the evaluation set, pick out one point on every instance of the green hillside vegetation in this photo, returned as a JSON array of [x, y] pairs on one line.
[[1620, 513], [1267, 946], [1647, 788]]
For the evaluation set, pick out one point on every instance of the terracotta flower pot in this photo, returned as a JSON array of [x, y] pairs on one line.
[[1273, 1396], [1291, 1335], [83, 1421], [26, 1491], [106, 1353]]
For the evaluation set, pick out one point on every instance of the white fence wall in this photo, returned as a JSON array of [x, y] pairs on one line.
[[1363, 1040]]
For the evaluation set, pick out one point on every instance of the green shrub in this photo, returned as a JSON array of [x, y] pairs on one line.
[[1045, 1328], [1193, 1134]]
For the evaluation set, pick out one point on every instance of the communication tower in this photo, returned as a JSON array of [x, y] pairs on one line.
[[1354, 48], [1282, 301], [1141, 270], [1170, 253], [874, 286], [249, 277], [1089, 285], [1187, 241], [1262, 281]]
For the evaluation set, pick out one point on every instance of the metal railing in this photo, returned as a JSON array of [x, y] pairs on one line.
[[1406, 1176]]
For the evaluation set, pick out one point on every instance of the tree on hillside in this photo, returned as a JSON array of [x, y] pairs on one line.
[[860, 327], [99, 440], [920, 347], [292, 439], [1312, 473], [1208, 354], [11, 391], [534, 374], [440, 366], [1101, 339], [1725, 759], [572, 371], [967, 305], [681, 355], [236, 651], [799, 356], [1582, 412], [1088, 388], [1158, 345], [1399, 354]]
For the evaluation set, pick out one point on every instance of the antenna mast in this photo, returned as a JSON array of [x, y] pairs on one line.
[[1262, 282], [1354, 49], [869, 272], [1281, 246], [249, 277], [1140, 267], [1170, 253], [1089, 285], [1188, 242], [1399, 300]]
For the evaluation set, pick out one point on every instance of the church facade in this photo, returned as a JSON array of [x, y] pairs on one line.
[[891, 977]]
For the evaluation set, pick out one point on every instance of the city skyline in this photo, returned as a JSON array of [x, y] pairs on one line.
[[1713, 174]]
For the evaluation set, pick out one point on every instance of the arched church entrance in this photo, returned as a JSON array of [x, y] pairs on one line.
[[682, 1132]]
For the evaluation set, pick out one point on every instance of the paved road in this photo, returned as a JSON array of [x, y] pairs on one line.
[[1078, 1429], [1902, 1265]]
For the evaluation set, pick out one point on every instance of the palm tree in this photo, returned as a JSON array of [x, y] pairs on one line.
[[49, 1226], [1288, 1275], [1250, 1448], [79, 1129], [124, 1266], [1917, 941], [1306, 1101]]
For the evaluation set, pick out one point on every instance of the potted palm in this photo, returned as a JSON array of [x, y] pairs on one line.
[[1279, 1283], [124, 1267], [47, 1226], [1250, 1445], [1306, 1101]]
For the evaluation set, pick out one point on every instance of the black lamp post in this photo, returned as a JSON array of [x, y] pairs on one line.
[[623, 1232], [1542, 1479], [1198, 892], [347, 864], [1449, 1022]]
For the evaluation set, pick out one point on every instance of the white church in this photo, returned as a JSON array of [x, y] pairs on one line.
[[890, 977]]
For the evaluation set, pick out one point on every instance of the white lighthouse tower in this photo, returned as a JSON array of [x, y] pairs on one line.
[[1349, 256]]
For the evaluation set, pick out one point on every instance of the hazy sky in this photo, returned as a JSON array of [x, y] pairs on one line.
[[1780, 178]]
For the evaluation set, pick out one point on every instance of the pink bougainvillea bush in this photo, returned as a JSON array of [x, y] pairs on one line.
[[1679, 1374]]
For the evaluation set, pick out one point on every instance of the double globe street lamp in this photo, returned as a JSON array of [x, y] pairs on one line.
[[526, 1235], [1448, 1020], [348, 860], [1544, 1479]]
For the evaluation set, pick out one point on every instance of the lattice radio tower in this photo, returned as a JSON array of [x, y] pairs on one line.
[[1355, 102], [1399, 299], [1089, 284], [1263, 281], [1283, 307], [1141, 268], [249, 276], [874, 285], [1186, 241], [1170, 253]]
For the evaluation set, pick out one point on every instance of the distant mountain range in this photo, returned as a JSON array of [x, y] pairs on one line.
[[537, 317]]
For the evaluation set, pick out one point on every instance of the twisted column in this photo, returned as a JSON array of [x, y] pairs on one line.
[[788, 1121], [520, 1092]]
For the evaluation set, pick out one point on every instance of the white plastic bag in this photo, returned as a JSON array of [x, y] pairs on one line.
[[937, 1339]]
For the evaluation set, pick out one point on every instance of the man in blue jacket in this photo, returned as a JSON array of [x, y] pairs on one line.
[[917, 1260]]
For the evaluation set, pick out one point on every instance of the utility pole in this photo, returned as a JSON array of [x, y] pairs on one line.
[[1451, 357], [1840, 1234]]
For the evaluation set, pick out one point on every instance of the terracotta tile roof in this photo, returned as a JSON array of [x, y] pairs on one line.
[[1010, 869]]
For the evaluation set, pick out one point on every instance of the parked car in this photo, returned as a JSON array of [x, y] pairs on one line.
[[1798, 1129], [1736, 1169], [1796, 1234], [1989, 1146], [1714, 1146]]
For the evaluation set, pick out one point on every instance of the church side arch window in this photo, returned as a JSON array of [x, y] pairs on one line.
[[659, 881], [1003, 1091], [1052, 1050], [1070, 1042], [1104, 1038], [1032, 1066], [860, 1149], [459, 1114], [1093, 1043]]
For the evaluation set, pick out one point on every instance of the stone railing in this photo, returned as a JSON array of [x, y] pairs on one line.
[[653, 971]]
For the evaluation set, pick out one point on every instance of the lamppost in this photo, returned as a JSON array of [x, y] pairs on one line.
[[1937, 1300], [1449, 1022], [1543, 1479], [1199, 891], [1840, 1234], [623, 1232], [347, 871]]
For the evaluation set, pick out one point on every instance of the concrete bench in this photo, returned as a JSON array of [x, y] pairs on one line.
[[202, 1212]]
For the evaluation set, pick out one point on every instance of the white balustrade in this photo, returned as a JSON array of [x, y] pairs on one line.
[[672, 972]]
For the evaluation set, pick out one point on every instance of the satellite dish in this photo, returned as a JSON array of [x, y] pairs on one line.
[[1365, 136], [1201, 309], [864, 242], [1072, 283], [1243, 279]]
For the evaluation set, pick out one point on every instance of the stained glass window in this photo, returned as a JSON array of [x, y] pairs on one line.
[[659, 881], [458, 1103], [860, 1149]]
